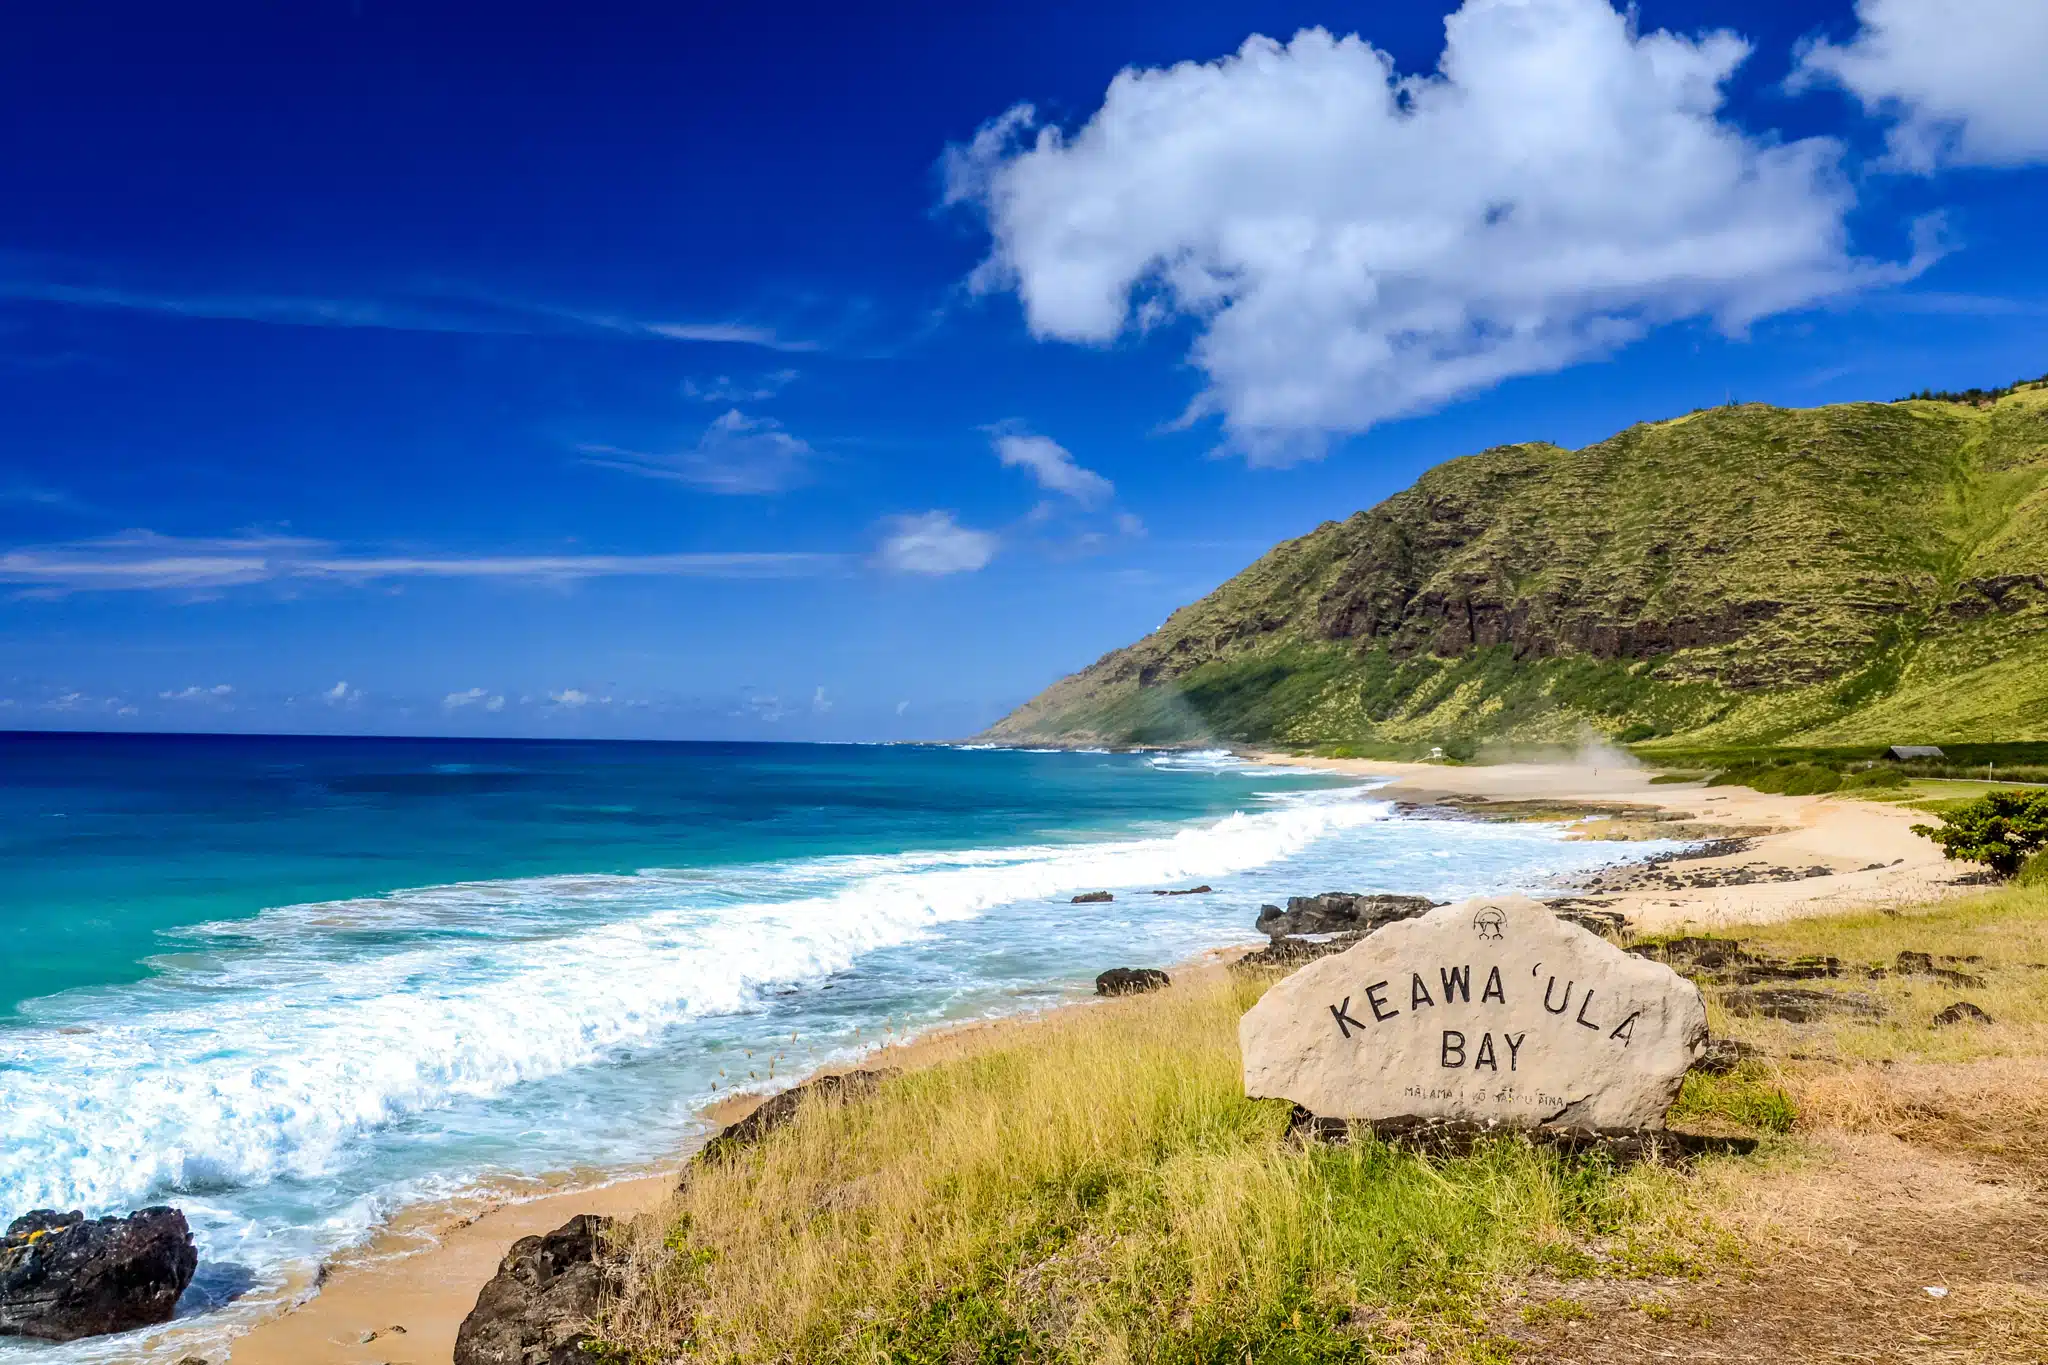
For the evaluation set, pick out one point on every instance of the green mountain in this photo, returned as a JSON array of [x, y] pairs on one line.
[[1865, 573]]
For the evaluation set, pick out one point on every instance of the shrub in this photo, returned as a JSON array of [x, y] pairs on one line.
[[2001, 830], [2034, 872], [1875, 777]]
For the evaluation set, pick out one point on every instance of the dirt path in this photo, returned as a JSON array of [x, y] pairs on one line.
[[1845, 1251]]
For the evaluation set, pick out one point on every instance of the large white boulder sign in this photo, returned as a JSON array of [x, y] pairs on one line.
[[1493, 1010]]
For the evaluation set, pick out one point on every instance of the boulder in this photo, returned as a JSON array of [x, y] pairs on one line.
[[1494, 1010], [538, 1309], [63, 1276], [1131, 981], [1962, 1012], [1339, 912], [1202, 890], [1093, 898], [777, 1110]]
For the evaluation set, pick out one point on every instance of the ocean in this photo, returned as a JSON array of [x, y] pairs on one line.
[[296, 985]]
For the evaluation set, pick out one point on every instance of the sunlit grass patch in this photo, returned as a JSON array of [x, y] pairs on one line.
[[1098, 1188]]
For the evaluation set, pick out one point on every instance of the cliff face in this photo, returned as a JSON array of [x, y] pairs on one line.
[[1832, 574]]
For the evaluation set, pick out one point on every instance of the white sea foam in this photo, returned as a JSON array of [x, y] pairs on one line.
[[237, 1068]]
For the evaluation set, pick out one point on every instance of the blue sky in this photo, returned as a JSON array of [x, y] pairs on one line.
[[805, 373]]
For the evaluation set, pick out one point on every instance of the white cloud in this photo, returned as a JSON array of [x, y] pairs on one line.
[[901, 707], [933, 543], [219, 692], [146, 560], [479, 696], [1963, 82], [462, 313], [725, 389], [1353, 245], [341, 694], [1053, 466], [820, 703], [737, 454], [574, 699]]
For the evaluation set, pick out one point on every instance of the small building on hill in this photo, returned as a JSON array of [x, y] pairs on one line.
[[1906, 751]]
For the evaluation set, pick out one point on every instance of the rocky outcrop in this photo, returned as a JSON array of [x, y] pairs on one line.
[[778, 1110], [1131, 981], [1093, 898], [1725, 962], [1339, 912], [1795, 1005], [1285, 954], [1962, 1012], [63, 1276], [1940, 968], [539, 1308]]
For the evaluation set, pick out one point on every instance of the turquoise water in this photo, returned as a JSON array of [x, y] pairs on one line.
[[293, 985]]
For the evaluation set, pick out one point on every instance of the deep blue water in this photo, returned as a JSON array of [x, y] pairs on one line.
[[293, 985]]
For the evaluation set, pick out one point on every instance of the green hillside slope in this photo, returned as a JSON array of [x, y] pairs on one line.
[[1870, 572]]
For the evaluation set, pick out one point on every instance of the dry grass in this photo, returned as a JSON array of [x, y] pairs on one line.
[[1097, 1188]]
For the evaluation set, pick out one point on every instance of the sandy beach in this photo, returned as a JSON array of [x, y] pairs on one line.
[[423, 1273], [1868, 850]]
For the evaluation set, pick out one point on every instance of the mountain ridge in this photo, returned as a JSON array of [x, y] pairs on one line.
[[1852, 573]]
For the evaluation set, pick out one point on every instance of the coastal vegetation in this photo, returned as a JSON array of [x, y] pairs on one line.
[[1094, 1186], [2001, 830], [1848, 577]]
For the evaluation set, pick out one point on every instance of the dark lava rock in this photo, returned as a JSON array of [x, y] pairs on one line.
[[1340, 912], [1594, 919], [1724, 962], [1722, 1055], [1289, 953], [1797, 1006], [1457, 1137], [1092, 898], [537, 1309], [1131, 981], [1191, 891], [778, 1110], [1925, 964], [63, 1277], [1962, 1012]]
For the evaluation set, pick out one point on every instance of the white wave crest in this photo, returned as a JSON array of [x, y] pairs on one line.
[[278, 1044]]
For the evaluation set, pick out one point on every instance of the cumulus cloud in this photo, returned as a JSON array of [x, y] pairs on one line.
[[219, 692], [475, 696], [144, 560], [575, 699], [737, 454], [933, 543], [1351, 244], [341, 694], [1963, 83], [820, 703], [1052, 465]]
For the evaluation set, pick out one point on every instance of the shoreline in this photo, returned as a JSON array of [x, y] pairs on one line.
[[423, 1269]]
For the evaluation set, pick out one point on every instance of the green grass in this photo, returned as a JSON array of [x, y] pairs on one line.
[[1098, 1188], [1746, 1098]]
